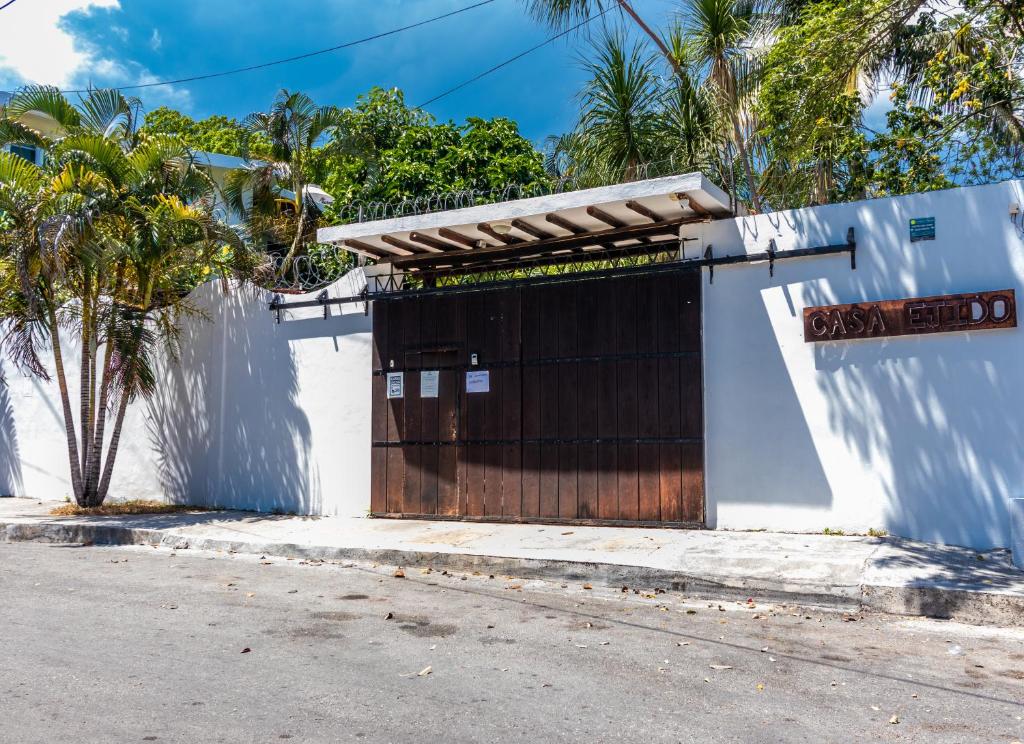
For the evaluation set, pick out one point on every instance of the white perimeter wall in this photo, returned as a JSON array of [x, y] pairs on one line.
[[921, 435], [255, 415]]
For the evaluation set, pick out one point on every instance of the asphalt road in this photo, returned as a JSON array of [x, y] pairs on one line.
[[137, 644]]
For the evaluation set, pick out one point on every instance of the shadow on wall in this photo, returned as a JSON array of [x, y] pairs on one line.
[[940, 413], [10, 454], [226, 425], [760, 451]]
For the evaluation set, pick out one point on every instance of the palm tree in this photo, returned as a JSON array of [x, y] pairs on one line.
[[105, 240], [564, 13], [619, 126], [718, 32], [293, 126]]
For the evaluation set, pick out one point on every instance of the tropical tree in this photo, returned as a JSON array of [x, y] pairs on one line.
[[217, 134], [294, 127], [103, 242], [719, 35]]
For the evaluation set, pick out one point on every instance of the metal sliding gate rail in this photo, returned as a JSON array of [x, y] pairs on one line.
[[394, 286]]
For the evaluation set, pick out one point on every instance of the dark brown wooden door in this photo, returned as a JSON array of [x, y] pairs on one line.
[[592, 410]]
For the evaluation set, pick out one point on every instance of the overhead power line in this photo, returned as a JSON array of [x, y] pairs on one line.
[[510, 60], [9, 2], [296, 58]]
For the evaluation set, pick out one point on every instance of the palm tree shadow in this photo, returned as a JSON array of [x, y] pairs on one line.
[[227, 425], [11, 483]]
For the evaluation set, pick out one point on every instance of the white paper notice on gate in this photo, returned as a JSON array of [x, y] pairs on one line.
[[396, 384], [478, 381], [428, 383]]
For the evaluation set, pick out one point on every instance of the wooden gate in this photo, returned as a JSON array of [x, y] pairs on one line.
[[592, 411]]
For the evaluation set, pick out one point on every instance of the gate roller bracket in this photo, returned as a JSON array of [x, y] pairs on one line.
[[771, 257], [709, 256]]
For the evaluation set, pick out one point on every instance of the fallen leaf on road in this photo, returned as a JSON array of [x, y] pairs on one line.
[[433, 647], [425, 671], [250, 594], [399, 574], [706, 679], [568, 533], [720, 666], [894, 719], [764, 650], [587, 586], [426, 570], [580, 645], [875, 707], [266, 563], [760, 688], [246, 650], [691, 612], [389, 616], [293, 591], [682, 643], [604, 643]]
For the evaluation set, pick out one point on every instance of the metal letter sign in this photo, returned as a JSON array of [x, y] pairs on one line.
[[941, 314], [922, 228], [396, 384]]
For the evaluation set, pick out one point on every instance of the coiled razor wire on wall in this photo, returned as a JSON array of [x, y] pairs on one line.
[[330, 262]]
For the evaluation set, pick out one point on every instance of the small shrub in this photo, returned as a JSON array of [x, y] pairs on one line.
[[834, 533], [877, 532]]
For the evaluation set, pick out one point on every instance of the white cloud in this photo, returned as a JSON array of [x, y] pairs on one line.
[[156, 41], [35, 48]]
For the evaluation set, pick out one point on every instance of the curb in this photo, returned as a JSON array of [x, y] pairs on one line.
[[978, 608]]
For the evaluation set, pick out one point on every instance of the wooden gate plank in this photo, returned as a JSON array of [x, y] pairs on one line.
[[607, 400], [491, 353], [429, 407], [396, 411], [592, 319], [451, 328], [568, 408], [531, 400], [647, 402], [413, 408], [628, 426], [548, 349], [511, 405], [379, 414], [669, 396], [475, 410]]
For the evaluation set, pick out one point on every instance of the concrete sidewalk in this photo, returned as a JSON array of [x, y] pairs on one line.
[[885, 574]]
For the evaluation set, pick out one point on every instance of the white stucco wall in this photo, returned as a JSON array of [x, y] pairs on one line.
[[253, 415], [921, 435]]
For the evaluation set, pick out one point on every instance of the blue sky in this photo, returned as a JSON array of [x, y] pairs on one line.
[[118, 42]]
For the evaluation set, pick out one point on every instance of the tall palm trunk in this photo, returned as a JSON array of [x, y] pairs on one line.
[[745, 158], [658, 41], [69, 419], [122, 406], [300, 228], [85, 383]]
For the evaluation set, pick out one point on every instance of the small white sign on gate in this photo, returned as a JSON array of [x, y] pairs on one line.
[[428, 383], [478, 381], [396, 384]]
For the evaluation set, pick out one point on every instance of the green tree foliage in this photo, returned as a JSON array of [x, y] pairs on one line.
[[384, 150], [104, 240], [217, 134], [955, 91]]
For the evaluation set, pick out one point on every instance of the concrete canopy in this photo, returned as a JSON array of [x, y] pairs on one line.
[[618, 216]]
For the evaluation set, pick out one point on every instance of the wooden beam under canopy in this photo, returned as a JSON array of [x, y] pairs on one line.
[[573, 242]]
